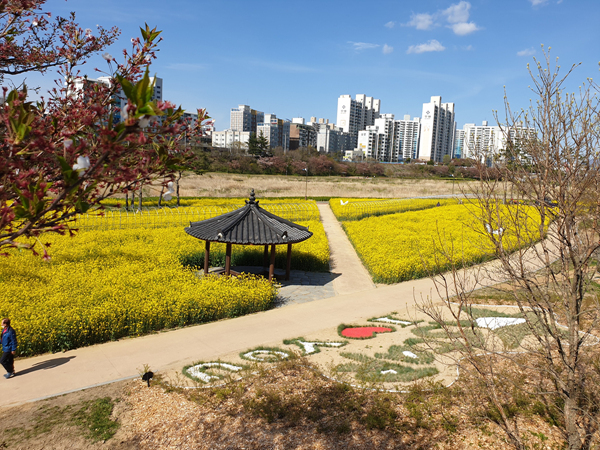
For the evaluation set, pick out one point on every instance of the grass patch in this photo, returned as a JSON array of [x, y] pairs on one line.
[[94, 417], [370, 369], [395, 353]]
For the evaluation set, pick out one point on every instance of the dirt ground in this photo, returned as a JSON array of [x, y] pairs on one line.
[[284, 407]]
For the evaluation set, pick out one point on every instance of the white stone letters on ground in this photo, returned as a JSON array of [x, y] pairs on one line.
[[498, 322], [310, 347], [198, 371], [394, 321], [265, 355]]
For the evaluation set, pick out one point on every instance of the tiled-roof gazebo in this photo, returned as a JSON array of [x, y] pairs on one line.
[[249, 225]]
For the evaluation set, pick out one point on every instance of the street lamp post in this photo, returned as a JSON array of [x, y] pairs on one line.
[[306, 184]]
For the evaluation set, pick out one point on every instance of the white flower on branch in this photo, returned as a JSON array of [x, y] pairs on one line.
[[144, 121], [82, 164]]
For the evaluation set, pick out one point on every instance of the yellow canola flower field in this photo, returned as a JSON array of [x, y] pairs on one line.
[[405, 246], [104, 285], [359, 208]]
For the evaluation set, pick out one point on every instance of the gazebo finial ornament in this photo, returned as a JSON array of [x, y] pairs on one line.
[[252, 200]]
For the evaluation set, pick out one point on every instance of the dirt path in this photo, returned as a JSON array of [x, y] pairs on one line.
[[350, 274]]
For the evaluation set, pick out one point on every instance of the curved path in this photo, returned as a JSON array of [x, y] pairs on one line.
[[53, 374]]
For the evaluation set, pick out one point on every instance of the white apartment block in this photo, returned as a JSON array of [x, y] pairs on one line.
[[390, 140], [481, 141], [227, 138], [356, 115], [485, 142], [437, 130], [368, 142], [244, 118], [407, 133]]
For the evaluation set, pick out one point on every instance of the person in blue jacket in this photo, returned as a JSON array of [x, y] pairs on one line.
[[9, 348]]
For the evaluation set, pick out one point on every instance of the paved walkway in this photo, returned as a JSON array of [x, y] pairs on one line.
[[351, 275], [302, 286]]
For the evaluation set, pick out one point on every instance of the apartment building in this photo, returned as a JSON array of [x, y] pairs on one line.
[[244, 118], [119, 99], [390, 140], [302, 135], [407, 134], [437, 130], [459, 144], [368, 142], [481, 141], [277, 131], [354, 115], [331, 139], [228, 138]]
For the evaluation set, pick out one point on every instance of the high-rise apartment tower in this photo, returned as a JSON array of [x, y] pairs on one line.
[[437, 130]]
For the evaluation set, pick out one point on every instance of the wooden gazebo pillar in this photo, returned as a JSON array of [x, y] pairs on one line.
[[288, 262], [206, 256], [266, 257], [272, 264], [228, 259]]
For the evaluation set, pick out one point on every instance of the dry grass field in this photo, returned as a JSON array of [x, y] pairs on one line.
[[235, 185]]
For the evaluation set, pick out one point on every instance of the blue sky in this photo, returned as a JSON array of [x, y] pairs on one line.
[[294, 59]]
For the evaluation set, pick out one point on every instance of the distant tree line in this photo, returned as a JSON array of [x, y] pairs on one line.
[[294, 162]]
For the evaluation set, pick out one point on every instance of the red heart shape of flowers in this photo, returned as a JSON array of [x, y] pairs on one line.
[[364, 332]]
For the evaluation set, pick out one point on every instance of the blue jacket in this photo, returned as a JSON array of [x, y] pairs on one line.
[[9, 340]]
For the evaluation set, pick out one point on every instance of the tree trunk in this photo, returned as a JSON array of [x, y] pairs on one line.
[[177, 186], [162, 189]]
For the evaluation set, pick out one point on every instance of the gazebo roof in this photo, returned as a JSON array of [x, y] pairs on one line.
[[249, 225]]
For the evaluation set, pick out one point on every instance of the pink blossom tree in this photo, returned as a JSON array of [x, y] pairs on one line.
[[63, 155]]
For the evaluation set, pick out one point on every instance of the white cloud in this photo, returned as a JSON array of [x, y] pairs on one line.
[[387, 49], [538, 2], [458, 13], [431, 46], [527, 52], [421, 21], [464, 28], [358, 46], [468, 48], [390, 24]]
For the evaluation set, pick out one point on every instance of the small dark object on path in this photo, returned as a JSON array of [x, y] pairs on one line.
[[147, 377]]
